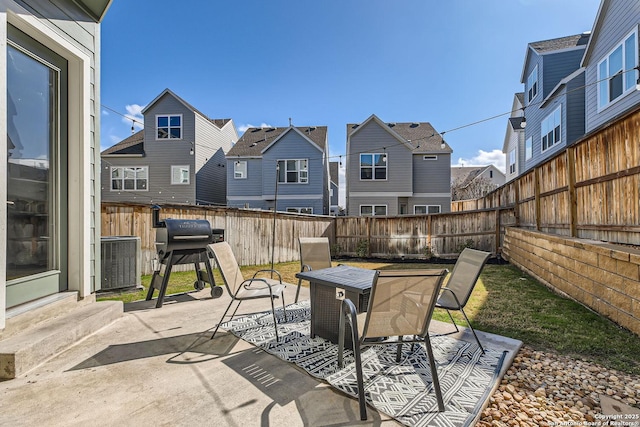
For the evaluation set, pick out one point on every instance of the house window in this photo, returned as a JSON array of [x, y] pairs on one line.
[[293, 171], [240, 170], [430, 157], [179, 175], [551, 130], [169, 127], [512, 161], [616, 74], [528, 148], [373, 166], [373, 210], [532, 84], [129, 178], [426, 209], [301, 210]]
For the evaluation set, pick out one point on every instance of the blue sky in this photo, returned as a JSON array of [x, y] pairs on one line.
[[328, 63]]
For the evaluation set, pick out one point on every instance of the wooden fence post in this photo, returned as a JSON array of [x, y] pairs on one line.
[[571, 182], [536, 184]]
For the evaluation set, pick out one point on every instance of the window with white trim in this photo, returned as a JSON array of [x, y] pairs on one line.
[[426, 209], [129, 178], [294, 171], [616, 74], [373, 210], [301, 210], [240, 170], [532, 84], [528, 148], [551, 129], [373, 166], [169, 126], [180, 174], [512, 161]]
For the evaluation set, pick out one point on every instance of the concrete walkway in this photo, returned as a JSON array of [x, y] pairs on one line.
[[158, 367]]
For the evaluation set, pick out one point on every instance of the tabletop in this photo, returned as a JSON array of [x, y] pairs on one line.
[[350, 278]]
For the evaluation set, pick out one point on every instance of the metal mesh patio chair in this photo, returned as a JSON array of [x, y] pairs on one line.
[[401, 304], [314, 255], [458, 288], [240, 289]]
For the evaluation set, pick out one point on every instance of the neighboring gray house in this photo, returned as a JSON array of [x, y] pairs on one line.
[[179, 157], [610, 61], [300, 156], [334, 188], [553, 96], [513, 146], [396, 169], [472, 182], [49, 185]]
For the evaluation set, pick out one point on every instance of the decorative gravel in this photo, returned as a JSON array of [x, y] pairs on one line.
[[546, 389]]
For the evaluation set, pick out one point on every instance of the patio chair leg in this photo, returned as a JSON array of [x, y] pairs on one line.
[[399, 350], [284, 308], [222, 318], [298, 290], [453, 321], [472, 330], [275, 321], [434, 373]]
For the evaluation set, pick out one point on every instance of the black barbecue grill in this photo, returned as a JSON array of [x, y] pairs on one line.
[[182, 241]]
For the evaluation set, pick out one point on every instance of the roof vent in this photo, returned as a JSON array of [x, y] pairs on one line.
[[253, 144], [415, 125], [391, 124]]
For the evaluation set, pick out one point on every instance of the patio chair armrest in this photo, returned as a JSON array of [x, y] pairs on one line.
[[455, 297], [247, 283], [268, 270], [306, 267]]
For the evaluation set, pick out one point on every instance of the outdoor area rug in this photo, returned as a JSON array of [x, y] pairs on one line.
[[402, 390]]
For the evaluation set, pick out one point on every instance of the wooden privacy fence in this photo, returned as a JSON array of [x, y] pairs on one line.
[[590, 190], [250, 232]]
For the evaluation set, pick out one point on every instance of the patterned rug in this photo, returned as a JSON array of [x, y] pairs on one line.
[[401, 390]]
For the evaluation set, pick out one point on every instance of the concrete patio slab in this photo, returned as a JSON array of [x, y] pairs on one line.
[[156, 367]]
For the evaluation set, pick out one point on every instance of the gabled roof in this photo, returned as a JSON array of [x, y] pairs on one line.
[[466, 174], [597, 24], [95, 8], [545, 47], [520, 97], [334, 176], [128, 146], [218, 122], [255, 141], [419, 137], [516, 123]]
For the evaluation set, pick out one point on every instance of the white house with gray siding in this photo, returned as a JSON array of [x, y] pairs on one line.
[[49, 149], [287, 166], [396, 169], [553, 96], [179, 157], [611, 60]]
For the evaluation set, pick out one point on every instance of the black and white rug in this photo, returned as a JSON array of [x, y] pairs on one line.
[[402, 390]]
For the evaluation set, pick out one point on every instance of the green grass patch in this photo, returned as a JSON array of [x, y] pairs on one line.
[[505, 301]]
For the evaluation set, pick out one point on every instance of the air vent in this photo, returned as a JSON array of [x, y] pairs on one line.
[[120, 262]]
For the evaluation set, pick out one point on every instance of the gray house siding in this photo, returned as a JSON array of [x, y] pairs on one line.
[[371, 138], [167, 153], [294, 146], [245, 187], [575, 97], [557, 66], [210, 163], [390, 202], [618, 19], [334, 195], [432, 178]]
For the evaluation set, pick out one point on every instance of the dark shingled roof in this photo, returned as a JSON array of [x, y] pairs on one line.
[[132, 145], [520, 96], [516, 123], [219, 122], [254, 140], [463, 175], [333, 172], [560, 43], [422, 136]]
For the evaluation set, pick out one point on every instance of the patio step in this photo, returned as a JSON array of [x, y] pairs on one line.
[[63, 325]]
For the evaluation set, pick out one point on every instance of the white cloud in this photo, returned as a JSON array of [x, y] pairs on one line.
[[134, 113], [484, 158], [243, 128]]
